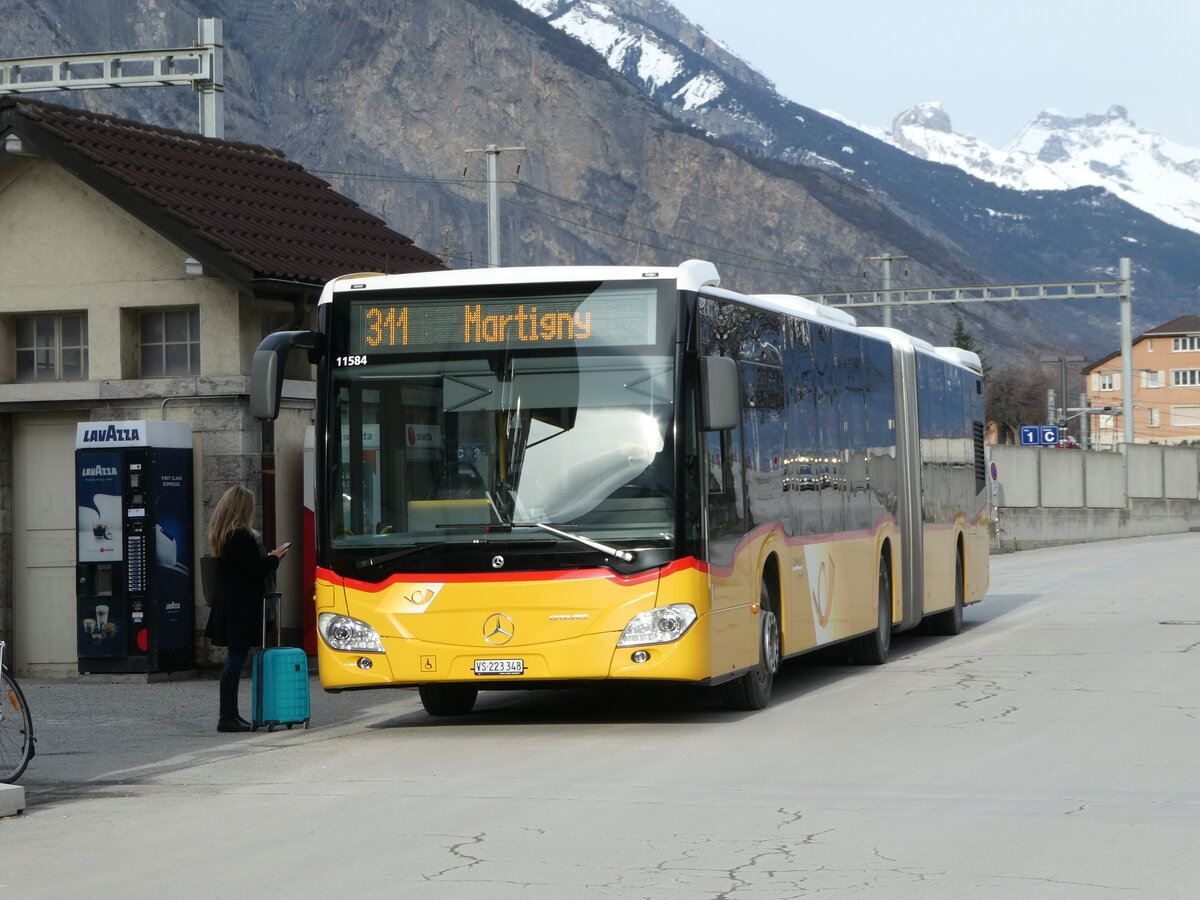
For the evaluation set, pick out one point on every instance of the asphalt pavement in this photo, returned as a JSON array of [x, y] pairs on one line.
[[1047, 752]]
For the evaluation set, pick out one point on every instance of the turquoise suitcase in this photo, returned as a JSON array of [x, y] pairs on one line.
[[279, 688], [278, 681]]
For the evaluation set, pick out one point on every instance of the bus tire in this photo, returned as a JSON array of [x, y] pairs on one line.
[[448, 699], [872, 649], [753, 689], [950, 621]]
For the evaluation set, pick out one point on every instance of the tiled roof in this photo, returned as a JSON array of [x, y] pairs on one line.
[[245, 211], [1180, 325]]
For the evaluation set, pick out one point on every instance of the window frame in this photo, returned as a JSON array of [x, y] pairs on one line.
[[58, 349], [1188, 343], [1185, 378], [162, 346]]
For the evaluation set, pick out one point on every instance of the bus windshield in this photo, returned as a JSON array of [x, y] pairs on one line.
[[455, 447]]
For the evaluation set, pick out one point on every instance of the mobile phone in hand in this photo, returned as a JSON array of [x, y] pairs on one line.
[[286, 544]]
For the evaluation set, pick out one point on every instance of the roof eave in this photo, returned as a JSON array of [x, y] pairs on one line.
[[38, 142]]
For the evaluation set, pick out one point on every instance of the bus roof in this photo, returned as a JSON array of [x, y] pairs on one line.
[[691, 275]]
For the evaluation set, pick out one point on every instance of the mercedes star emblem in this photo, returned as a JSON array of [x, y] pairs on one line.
[[498, 629]]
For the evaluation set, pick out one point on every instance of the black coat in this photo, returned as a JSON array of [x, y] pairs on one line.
[[242, 571]]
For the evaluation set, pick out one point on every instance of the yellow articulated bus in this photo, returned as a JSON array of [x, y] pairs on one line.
[[539, 477]]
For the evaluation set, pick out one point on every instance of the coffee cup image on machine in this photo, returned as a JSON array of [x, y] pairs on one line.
[[96, 518]]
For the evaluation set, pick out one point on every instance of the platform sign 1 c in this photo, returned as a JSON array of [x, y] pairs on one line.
[[1040, 436]]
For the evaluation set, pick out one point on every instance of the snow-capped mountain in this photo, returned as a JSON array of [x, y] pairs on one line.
[[1021, 214], [1055, 152], [653, 45], [695, 77]]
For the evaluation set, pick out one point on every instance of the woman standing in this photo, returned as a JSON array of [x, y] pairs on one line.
[[243, 566]]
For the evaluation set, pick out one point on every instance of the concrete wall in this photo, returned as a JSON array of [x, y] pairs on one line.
[[1045, 496], [1181, 472], [1143, 470]]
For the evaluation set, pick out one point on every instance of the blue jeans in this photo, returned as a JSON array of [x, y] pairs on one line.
[[236, 660]]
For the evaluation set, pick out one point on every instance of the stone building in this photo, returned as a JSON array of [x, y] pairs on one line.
[[139, 269]]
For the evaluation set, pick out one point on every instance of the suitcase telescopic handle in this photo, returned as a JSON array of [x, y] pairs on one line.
[[271, 602]]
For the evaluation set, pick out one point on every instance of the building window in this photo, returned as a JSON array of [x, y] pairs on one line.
[[1106, 382], [1185, 416], [1185, 377], [52, 347], [1150, 345], [1106, 422], [1153, 423], [1152, 379], [1183, 344], [170, 342]]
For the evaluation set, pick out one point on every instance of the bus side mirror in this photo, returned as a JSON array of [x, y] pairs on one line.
[[720, 393], [266, 369]]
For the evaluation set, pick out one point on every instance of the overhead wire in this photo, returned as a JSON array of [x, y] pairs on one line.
[[725, 255]]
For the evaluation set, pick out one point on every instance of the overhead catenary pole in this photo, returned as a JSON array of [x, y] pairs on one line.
[[200, 66], [1126, 298], [1059, 415], [210, 36], [493, 198], [887, 281], [1121, 290]]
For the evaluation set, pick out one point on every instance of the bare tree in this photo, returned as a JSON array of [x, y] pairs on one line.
[[1016, 396]]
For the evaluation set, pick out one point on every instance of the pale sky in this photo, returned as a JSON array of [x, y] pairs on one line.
[[993, 65]]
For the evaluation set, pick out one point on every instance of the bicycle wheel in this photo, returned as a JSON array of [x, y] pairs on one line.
[[16, 729]]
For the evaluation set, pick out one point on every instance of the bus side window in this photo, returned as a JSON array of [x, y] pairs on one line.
[[712, 460]]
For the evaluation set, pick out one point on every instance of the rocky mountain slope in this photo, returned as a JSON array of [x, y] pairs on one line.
[[384, 100]]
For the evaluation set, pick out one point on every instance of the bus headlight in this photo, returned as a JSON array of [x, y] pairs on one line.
[[344, 633], [659, 626]]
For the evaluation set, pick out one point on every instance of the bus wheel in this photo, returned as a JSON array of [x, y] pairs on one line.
[[447, 699], [950, 621], [872, 649], [753, 689]]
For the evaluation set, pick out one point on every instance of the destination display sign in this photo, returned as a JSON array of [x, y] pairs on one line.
[[607, 318]]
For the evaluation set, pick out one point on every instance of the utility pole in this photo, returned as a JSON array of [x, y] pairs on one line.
[[493, 197], [887, 281], [449, 250]]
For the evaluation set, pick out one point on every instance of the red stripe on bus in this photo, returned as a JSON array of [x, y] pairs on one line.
[[679, 565]]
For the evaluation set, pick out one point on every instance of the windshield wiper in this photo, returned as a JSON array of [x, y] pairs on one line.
[[502, 501], [623, 555], [392, 555]]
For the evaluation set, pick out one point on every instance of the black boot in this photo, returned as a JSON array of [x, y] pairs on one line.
[[229, 719]]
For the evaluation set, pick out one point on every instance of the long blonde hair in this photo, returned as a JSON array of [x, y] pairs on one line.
[[233, 511]]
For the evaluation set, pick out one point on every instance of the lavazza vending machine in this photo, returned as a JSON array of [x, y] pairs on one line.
[[135, 601]]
